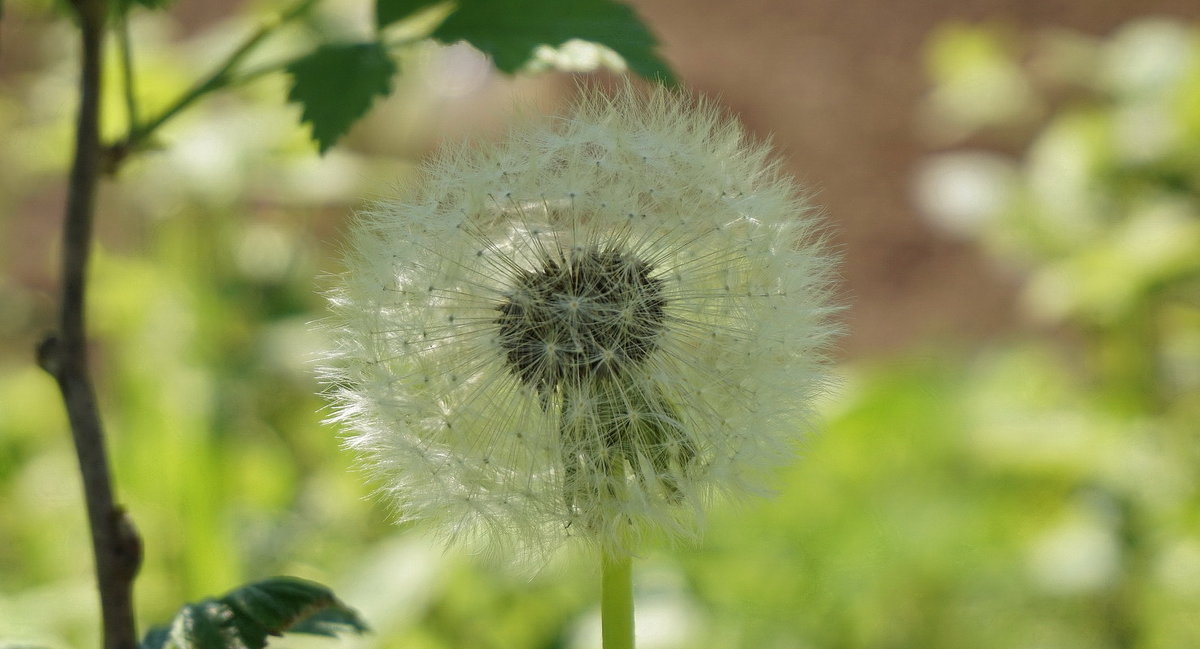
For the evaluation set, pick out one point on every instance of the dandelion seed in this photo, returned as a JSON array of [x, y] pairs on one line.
[[601, 349]]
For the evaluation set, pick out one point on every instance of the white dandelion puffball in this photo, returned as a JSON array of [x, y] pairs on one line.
[[591, 328]]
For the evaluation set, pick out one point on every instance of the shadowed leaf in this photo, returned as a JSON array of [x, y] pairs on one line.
[[510, 31], [336, 84], [390, 11], [244, 618]]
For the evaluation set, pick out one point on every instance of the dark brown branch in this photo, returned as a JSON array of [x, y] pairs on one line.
[[115, 543]]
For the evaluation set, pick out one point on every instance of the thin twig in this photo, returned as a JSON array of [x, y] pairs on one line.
[[221, 77], [253, 74], [127, 81], [115, 543]]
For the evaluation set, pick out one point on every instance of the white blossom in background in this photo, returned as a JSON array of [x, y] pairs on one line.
[[591, 328], [576, 55]]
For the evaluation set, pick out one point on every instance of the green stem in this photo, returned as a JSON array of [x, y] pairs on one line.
[[219, 78], [126, 47], [279, 66], [225, 76], [616, 601]]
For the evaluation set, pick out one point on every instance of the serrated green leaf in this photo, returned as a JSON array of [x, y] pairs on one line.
[[156, 638], [244, 618], [510, 31], [209, 625], [390, 11], [331, 622], [336, 84]]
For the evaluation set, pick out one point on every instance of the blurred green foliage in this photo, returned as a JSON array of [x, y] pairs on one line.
[[1040, 492], [1100, 212]]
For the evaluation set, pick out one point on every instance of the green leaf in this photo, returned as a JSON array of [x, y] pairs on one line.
[[156, 638], [246, 617], [336, 84], [330, 623], [389, 11], [209, 625], [510, 30]]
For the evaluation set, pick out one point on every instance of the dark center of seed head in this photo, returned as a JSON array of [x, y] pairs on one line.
[[593, 314]]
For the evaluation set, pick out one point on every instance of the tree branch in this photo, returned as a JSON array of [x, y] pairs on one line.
[[115, 543]]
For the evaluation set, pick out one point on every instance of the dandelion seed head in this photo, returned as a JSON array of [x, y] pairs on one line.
[[590, 329], [593, 314]]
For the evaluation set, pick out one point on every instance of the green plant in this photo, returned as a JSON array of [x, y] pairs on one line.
[[335, 84]]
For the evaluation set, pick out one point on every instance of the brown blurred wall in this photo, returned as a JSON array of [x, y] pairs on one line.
[[836, 84]]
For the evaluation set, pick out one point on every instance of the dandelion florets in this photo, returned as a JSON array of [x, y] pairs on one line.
[[591, 328], [580, 316]]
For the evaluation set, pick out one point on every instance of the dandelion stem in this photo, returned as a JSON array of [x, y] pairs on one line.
[[616, 601]]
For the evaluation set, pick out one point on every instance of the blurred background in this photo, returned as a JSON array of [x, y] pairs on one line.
[[1011, 460]]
